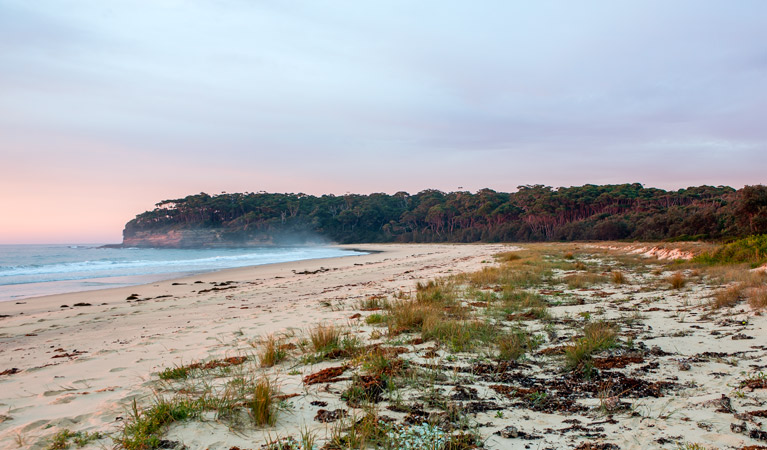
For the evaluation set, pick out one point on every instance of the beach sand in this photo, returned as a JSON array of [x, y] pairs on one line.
[[80, 367], [685, 375]]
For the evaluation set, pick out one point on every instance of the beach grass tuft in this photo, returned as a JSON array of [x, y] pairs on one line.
[[325, 337], [619, 277], [271, 352], [597, 336], [728, 296], [262, 405], [584, 280], [758, 298], [677, 280]]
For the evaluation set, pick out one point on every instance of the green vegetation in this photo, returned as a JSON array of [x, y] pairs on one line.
[[597, 336], [584, 280], [325, 338], [533, 213], [459, 335], [262, 405], [374, 319], [751, 250], [61, 440], [241, 397], [174, 373], [514, 344], [143, 429], [271, 352]]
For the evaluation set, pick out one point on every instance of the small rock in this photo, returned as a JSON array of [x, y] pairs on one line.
[[725, 405], [741, 336], [611, 403], [509, 432], [683, 365], [739, 427], [325, 416]]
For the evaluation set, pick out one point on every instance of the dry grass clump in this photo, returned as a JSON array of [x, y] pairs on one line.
[[569, 255], [324, 337], [460, 335], [518, 269], [514, 300], [507, 256], [619, 277], [601, 335], [373, 303], [441, 292], [758, 298], [271, 352], [728, 297], [736, 274], [582, 280], [408, 315], [529, 271], [597, 336], [677, 280], [486, 276], [262, 405], [514, 344]]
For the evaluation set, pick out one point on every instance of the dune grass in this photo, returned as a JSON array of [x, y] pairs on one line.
[[751, 250], [262, 405], [728, 296], [597, 336], [677, 280], [324, 338], [584, 280], [515, 343], [143, 428], [758, 298], [271, 352]]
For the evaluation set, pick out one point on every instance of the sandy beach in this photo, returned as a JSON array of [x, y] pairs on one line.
[[684, 368], [81, 366]]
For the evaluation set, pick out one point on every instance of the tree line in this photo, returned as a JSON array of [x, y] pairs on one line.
[[533, 213]]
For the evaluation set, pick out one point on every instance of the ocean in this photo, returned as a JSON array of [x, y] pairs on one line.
[[35, 270]]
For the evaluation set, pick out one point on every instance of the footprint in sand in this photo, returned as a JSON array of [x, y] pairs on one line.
[[34, 425], [60, 391], [63, 399]]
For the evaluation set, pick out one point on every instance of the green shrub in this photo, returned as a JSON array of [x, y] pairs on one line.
[[752, 250]]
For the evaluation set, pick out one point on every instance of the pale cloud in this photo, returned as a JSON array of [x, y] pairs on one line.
[[377, 96]]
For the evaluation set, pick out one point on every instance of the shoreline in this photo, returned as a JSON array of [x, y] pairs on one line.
[[125, 281], [52, 300]]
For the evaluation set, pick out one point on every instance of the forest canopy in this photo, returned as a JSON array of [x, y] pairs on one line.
[[533, 213]]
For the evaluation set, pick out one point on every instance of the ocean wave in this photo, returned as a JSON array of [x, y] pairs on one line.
[[102, 268]]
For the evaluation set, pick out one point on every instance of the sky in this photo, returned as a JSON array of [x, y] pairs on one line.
[[108, 107]]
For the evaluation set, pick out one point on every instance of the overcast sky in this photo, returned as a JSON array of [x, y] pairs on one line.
[[107, 107]]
